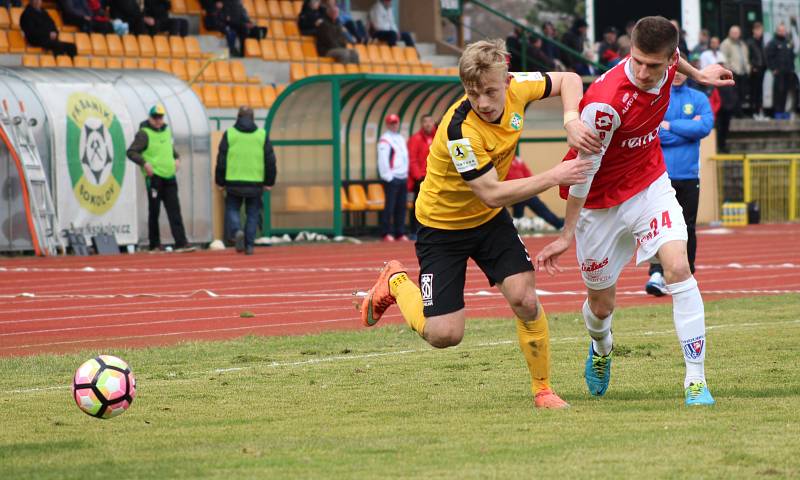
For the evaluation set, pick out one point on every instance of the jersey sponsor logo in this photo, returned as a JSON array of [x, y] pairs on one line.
[[426, 286], [693, 348], [527, 76], [594, 270], [592, 265], [516, 121], [636, 142], [688, 109], [628, 100], [462, 155], [603, 121]]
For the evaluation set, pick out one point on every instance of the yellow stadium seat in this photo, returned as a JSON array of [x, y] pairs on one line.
[[249, 7], [399, 56], [114, 62], [339, 69], [225, 93], [287, 11], [374, 54], [198, 90], [296, 72], [276, 29], [56, 16], [178, 67], [356, 197], [83, 43], [268, 50], [325, 69], [177, 47], [161, 46], [254, 97], [224, 72], [240, 97], [261, 8], [81, 62], [269, 95], [309, 50], [364, 68], [164, 65], [147, 64], [238, 72], [47, 61], [282, 51], [130, 45], [192, 68], [291, 29], [3, 41], [312, 69], [274, 9], [320, 198], [252, 48], [5, 19], [15, 13], [210, 72], [99, 47], [296, 199], [97, 63], [411, 55], [375, 196], [146, 47], [30, 61], [343, 199], [193, 6], [363, 54], [178, 6], [295, 51], [114, 44], [279, 88], [351, 68], [130, 63], [386, 53], [428, 69], [404, 70], [192, 47], [210, 96], [297, 6]]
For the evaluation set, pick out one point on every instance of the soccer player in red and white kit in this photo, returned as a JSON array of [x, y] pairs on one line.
[[628, 204]]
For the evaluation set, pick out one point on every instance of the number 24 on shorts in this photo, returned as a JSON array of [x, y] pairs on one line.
[[665, 222]]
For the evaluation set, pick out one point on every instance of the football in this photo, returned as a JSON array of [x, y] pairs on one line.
[[104, 386]]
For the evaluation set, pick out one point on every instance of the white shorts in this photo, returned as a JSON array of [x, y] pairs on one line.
[[606, 239]]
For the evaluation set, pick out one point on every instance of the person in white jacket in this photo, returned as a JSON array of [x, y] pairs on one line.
[[384, 27], [393, 170]]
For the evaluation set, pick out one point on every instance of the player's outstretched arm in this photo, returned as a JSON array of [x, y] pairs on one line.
[[547, 259], [714, 75], [570, 87]]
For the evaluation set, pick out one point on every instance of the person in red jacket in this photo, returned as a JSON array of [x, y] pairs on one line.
[[418, 146], [520, 170]]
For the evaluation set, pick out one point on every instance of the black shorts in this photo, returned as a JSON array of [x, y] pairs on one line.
[[495, 246]]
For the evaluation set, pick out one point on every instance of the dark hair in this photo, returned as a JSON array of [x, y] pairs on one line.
[[654, 35]]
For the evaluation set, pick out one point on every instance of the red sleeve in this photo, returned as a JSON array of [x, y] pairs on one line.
[[415, 150], [525, 170]]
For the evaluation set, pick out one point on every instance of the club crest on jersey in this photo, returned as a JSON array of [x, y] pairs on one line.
[[688, 109], [603, 121], [694, 348], [516, 121]]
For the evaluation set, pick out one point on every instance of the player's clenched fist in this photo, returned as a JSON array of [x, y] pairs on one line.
[[570, 172]]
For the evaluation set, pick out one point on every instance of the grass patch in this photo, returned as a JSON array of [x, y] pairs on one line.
[[381, 403]]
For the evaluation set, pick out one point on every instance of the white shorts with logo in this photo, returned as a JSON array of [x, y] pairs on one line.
[[606, 239]]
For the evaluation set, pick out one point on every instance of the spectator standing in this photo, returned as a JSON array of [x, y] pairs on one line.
[[517, 170], [780, 60], [418, 147], [737, 59], [381, 18], [688, 120], [78, 13], [609, 50], [246, 167], [332, 39], [131, 13], [549, 48], [40, 30], [537, 59], [702, 44], [758, 66], [393, 170], [575, 38], [310, 17], [157, 19], [153, 150], [712, 55]]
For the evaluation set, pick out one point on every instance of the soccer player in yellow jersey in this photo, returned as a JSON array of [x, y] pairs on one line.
[[462, 215]]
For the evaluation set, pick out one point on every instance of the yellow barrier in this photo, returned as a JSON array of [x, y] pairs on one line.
[[769, 179]]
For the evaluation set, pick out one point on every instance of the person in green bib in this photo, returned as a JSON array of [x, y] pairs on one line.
[[245, 169], [152, 149]]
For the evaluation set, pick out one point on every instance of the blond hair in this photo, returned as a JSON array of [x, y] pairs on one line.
[[480, 58]]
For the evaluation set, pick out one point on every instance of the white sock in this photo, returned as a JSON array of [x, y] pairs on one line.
[[599, 329], [690, 325]]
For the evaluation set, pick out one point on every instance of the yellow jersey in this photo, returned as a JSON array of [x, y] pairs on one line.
[[466, 147]]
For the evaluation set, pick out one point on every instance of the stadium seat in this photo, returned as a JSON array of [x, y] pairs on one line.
[[160, 46], [364, 68], [5, 19], [296, 200], [178, 6], [309, 49], [30, 61], [297, 6], [3, 41], [254, 97], [274, 9], [178, 67], [210, 96], [276, 29], [405, 70], [417, 70], [279, 88], [261, 8], [130, 45], [194, 7], [83, 43], [146, 47], [192, 68], [164, 65], [15, 13], [291, 29], [269, 95], [375, 196], [114, 44], [338, 69], [224, 72], [114, 62], [296, 72], [225, 93], [250, 7], [295, 51], [193, 49], [282, 51], [411, 55], [374, 54], [177, 47], [198, 90], [210, 72], [252, 48], [98, 63], [398, 56], [312, 69], [378, 69], [386, 54], [238, 72], [363, 54], [268, 50], [99, 47], [130, 63], [56, 16], [320, 198], [81, 62], [147, 64], [344, 200], [357, 197], [47, 61], [287, 12], [325, 69], [240, 97], [351, 68]]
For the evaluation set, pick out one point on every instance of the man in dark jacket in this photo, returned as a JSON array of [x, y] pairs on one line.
[[157, 19], [40, 30], [758, 66], [245, 168], [152, 149], [231, 18], [310, 17], [78, 13], [332, 40], [780, 59], [131, 13], [574, 39]]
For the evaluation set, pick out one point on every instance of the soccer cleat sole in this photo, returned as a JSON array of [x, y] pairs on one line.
[[654, 290]]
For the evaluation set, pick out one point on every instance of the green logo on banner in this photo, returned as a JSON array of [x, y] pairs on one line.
[[95, 152]]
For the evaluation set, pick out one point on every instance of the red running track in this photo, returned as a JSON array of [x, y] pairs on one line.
[[99, 303]]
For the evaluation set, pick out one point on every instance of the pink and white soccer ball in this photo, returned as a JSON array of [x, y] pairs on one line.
[[104, 386]]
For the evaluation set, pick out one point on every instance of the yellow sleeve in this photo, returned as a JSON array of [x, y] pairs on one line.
[[468, 154], [531, 86]]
